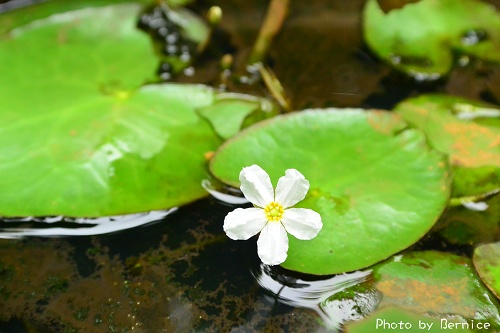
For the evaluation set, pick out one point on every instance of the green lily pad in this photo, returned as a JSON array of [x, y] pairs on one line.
[[40, 10], [456, 127], [487, 262], [79, 136], [421, 37], [393, 319], [437, 283], [377, 186]]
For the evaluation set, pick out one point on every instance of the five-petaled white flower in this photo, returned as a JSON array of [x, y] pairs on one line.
[[271, 215]]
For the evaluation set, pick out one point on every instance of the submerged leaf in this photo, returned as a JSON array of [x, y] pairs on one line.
[[420, 38], [377, 186]]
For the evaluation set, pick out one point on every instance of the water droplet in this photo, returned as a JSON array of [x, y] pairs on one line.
[[188, 71], [473, 36], [172, 38], [162, 31]]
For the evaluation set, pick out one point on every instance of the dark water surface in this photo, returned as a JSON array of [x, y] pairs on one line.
[[181, 273]]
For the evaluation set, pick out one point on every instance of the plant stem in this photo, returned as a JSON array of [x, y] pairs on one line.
[[274, 86], [275, 17], [472, 198]]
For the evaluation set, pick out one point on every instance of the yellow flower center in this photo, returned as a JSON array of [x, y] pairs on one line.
[[274, 211]]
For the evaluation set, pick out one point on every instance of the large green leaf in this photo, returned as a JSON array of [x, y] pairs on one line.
[[420, 37], [78, 136], [377, 186], [437, 283], [467, 131], [487, 262], [43, 9]]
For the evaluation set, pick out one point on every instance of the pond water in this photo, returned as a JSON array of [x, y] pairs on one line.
[[180, 272]]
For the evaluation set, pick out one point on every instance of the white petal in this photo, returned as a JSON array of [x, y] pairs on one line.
[[272, 245], [256, 185], [241, 224], [292, 188], [302, 223]]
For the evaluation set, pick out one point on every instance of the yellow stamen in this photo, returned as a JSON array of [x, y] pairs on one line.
[[274, 211]]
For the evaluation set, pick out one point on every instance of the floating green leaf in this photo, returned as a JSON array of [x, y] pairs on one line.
[[467, 131], [421, 37], [393, 319], [438, 283], [40, 10], [487, 262], [79, 137], [377, 186]]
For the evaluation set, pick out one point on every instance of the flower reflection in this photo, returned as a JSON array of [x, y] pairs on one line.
[[312, 294]]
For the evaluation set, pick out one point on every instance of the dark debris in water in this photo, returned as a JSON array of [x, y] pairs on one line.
[[175, 48]]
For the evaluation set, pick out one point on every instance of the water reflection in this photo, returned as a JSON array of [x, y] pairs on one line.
[[66, 226], [311, 293], [225, 197]]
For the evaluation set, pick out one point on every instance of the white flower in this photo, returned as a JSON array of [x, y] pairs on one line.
[[272, 216]]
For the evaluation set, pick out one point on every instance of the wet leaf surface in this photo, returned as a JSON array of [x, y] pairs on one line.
[[487, 262], [420, 38], [358, 164]]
